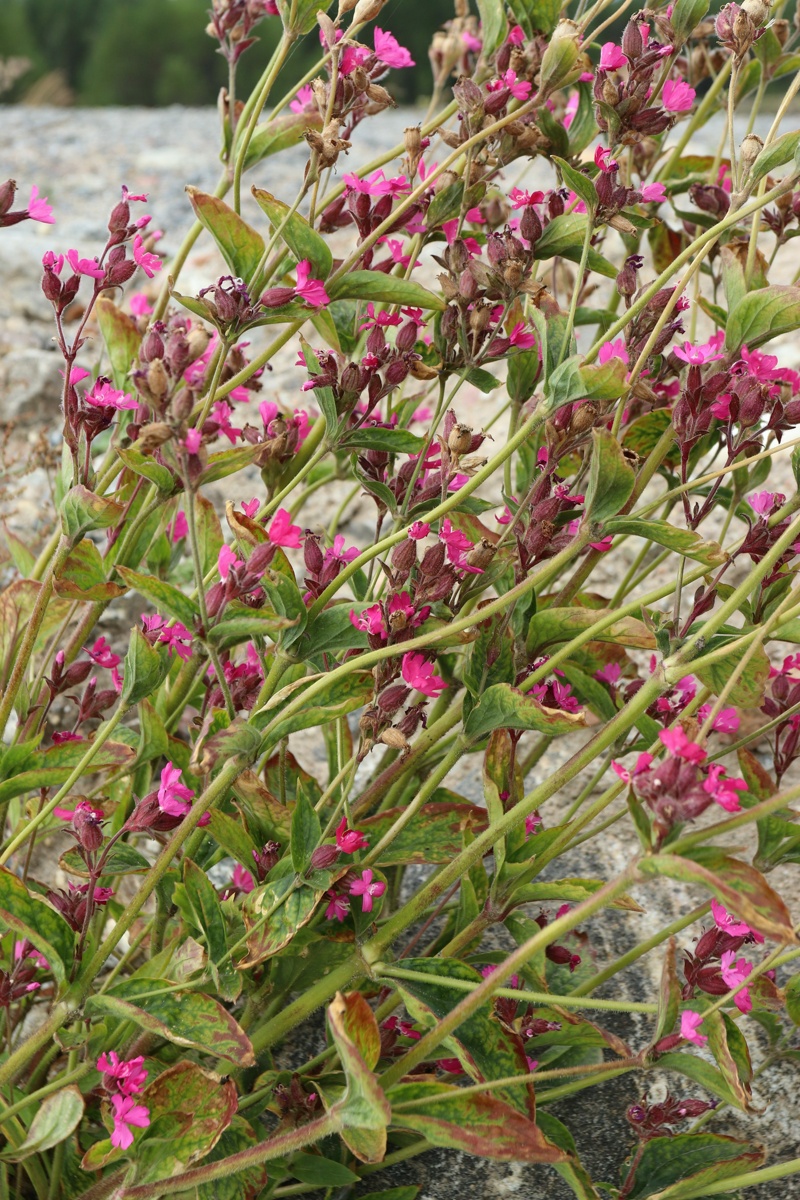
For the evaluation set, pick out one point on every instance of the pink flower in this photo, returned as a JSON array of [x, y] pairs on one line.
[[696, 355], [642, 764], [139, 305], [193, 440], [532, 824], [242, 879], [124, 1075], [377, 184], [39, 209], [250, 507], [690, 1023], [389, 50], [175, 637], [678, 96], [338, 554], [678, 744], [127, 1113], [150, 263], [103, 395], [418, 530], [726, 721], [516, 35], [611, 57], [763, 503], [520, 89], [721, 408], [610, 674], [727, 922], [85, 266], [471, 42], [366, 889], [723, 791], [282, 532], [653, 193], [734, 972], [102, 654], [310, 290], [519, 338], [338, 906], [603, 160], [303, 99], [349, 840], [418, 673], [382, 319], [370, 620], [179, 528], [458, 546], [227, 559], [173, 796], [615, 349]]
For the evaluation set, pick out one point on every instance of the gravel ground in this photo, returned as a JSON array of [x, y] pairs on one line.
[[79, 159]]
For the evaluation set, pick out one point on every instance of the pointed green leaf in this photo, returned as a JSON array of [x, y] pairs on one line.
[[33, 919], [55, 1119], [693, 1159], [165, 596], [81, 511], [144, 671], [240, 245], [762, 315], [376, 285], [303, 241], [683, 541], [505, 707], [306, 832], [363, 1112], [286, 911], [122, 338], [208, 916]]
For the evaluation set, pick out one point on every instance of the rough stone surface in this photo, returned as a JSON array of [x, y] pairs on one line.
[[79, 160]]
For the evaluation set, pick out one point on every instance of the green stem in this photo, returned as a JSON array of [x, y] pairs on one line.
[[543, 998]]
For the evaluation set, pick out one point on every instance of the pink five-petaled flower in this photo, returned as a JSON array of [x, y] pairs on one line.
[[370, 620], [726, 721], [102, 654], [697, 355], [179, 528], [389, 50], [520, 88], [176, 637], [764, 502], [338, 906], [642, 764], [85, 266], [303, 99], [678, 744], [678, 96], [519, 338], [603, 160], [690, 1023], [611, 57], [250, 507], [723, 790], [227, 559], [124, 1075], [419, 530], [349, 840], [173, 796], [367, 889], [126, 1113], [734, 972], [282, 532], [418, 673], [310, 290], [727, 922], [377, 184], [104, 395], [150, 263], [139, 305], [39, 209]]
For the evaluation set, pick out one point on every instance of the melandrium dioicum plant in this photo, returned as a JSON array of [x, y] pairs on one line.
[[214, 895]]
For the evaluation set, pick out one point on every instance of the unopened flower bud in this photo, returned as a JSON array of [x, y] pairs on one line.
[[7, 192], [530, 225], [632, 43], [758, 11], [749, 151], [197, 341], [152, 346], [393, 698], [324, 856], [157, 379], [265, 859], [182, 404], [367, 10], [560, 56], [153, 435], [86, 822]]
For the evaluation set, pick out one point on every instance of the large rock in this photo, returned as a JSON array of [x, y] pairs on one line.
[[30, 386]]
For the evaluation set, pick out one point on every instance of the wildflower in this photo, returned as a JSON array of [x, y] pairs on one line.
[[643, 763], [227, 559], [678, 744], [389, 50], [251, 507], [519, 338], [150, 263], [522, 199], [610, 674], [726, 721], [193, 440], [764, 503], [734, 972], [82, 266], [678, 96], [102, 654], [39, 209], [418, 674], [419, 530], [615, 349], [727, 922], [174, 797], [697, 355], [653, 193], [520, 88], [103, 395], [611, 57], [367, 889], [176, 637], [377, 184], [139, 305], [516, 35], [722, 790], [122, 1075], [337, 554], [127, 1113], [533, 823], [603, 160], [242, 879], [310, 290], [690, 1023], [179, 528], [303, 99], [282, 532], [338, 906], [349, 840]]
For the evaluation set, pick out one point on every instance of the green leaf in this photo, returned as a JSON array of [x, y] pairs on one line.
[[165, 596], [493, 25], [230, 835], [683, 541], [83, 576], [485, 1049], [376, 285], [33, 919], [572, 1171], [330, 631], [505, 707], [581, 184], [396, 441], [289, 911], [121, 336], [435, 834], [240, 245], [203, 898], [762, 315], [321, 1172], [523, 372], [338, 698], [303, 241], [148, 468], [741, 888], [611, 478], [729, 1047], [691, 1159], [551, 626], [306, 832], [243, 627], [55, 765], [563, 238], [241, 1184], [686, 15], [575, 380], [361, 1026], [209, 532], [479, 1124], [144, 671], [189, 1019], [271, 137], [446, 204], [748, 691], [224, 463], [122, 859], [56, 1117], [536, 16], [81, 511], [363, 1112]]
